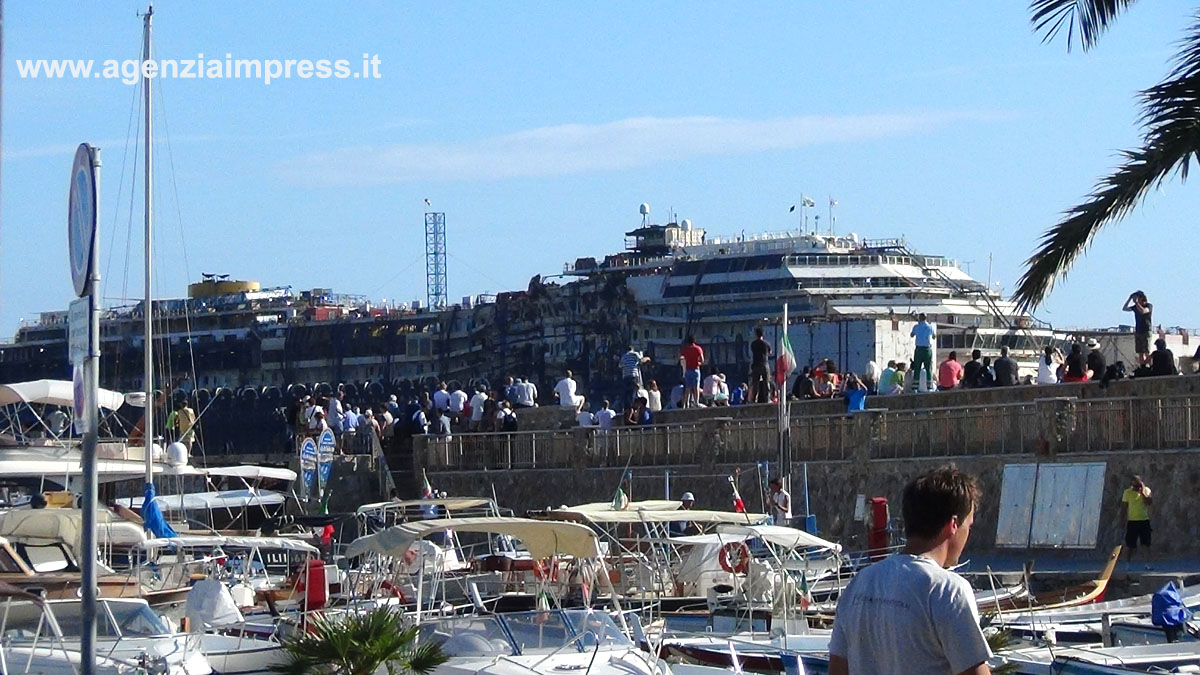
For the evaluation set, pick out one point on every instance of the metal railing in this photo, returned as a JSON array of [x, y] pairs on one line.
[[1160, 422]]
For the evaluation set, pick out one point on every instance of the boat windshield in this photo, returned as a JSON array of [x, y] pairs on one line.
[[534, 632], [598, 627], [23, 620], [468, 636], [538, 631]]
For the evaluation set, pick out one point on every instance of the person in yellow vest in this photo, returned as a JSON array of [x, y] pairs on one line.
[[1137, 516]]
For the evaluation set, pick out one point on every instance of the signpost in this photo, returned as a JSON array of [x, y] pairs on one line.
[[82, 207]]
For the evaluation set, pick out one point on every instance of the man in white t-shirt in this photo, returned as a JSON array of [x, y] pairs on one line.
[[605, 415], [781, 503], [529, 392], [441, 397], [908, 614], [585, 419], [567, 398], [525, 393], [458, 401], [477, 402]]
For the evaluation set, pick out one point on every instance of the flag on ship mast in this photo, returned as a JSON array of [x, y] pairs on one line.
[[808, 201], [738, 505], [832, 201]]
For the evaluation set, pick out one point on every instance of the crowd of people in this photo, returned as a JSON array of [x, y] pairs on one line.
[[442, 409]]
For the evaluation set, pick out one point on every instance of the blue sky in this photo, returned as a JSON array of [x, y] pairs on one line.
[[539, 127]]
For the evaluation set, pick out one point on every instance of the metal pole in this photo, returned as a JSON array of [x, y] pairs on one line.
[[785, 450], [91, 386], [148, 350]]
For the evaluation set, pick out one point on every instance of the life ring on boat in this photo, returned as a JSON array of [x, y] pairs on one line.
[[734, 557], [546, 568]]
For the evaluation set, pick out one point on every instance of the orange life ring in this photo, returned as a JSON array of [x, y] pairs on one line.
[[546, 568], [734, 557]]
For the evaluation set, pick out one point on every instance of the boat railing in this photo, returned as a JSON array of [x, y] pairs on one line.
[[1154, 422]]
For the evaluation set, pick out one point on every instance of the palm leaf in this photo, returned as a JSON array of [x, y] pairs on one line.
[[1083, 19], [1171, 116], [358, 644]]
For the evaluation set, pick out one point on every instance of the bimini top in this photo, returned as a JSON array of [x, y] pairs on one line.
[[783, 537], [250, 472], [209, 501], [217, 541], [449, 503], [542, 538], [659, 516], [53, 392], [647, 505]]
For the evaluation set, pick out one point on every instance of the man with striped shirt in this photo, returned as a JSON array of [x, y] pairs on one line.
[[631, 372]]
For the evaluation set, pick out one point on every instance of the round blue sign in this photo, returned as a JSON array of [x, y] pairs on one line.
[[81, 218]]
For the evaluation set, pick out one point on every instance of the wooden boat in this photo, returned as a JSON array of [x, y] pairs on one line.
[[1082, 594]]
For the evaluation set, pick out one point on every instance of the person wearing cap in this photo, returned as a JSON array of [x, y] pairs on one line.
[[1162, 360], [1095, 360], [680, 528]]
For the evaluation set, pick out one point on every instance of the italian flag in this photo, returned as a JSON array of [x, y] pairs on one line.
[[785, 362], [738, 505], [426, 488]]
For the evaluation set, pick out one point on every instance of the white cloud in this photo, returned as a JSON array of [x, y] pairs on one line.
[[581, 148]]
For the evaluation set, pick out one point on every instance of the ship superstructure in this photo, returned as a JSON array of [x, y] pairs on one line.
[[852, 300]]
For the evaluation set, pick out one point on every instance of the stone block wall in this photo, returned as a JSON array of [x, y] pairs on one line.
[[834, 486]]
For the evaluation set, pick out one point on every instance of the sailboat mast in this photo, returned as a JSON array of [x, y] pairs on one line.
[[149, 313]]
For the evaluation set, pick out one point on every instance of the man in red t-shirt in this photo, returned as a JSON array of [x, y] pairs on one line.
[[692, 357], [950, 372]]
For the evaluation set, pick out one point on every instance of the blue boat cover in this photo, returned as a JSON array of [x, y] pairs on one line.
[[1167, 607], [152, 516]]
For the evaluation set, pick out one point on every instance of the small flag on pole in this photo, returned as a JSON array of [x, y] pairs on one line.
[[785, 363], [832, 201], [809, 202], [620, 502], [738, 505], [806, 598], [426, 488]]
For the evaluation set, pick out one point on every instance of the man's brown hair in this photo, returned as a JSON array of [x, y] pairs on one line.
[[934, 497]]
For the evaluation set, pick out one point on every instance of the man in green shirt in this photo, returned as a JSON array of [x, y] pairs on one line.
[[1137, 516]]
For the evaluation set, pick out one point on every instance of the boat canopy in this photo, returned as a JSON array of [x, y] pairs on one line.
[[218, 541], [226, 499], [449, 503], [659, 516], [784, 537], [647, 505], [541, 537], [43, 527], [250, 472], [53, 392]]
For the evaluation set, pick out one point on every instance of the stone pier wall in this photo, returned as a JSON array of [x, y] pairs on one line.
[[834, 486]]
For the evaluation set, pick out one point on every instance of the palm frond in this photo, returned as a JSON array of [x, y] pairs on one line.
[[1083, 19], [358, 644], [1171, 115]]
